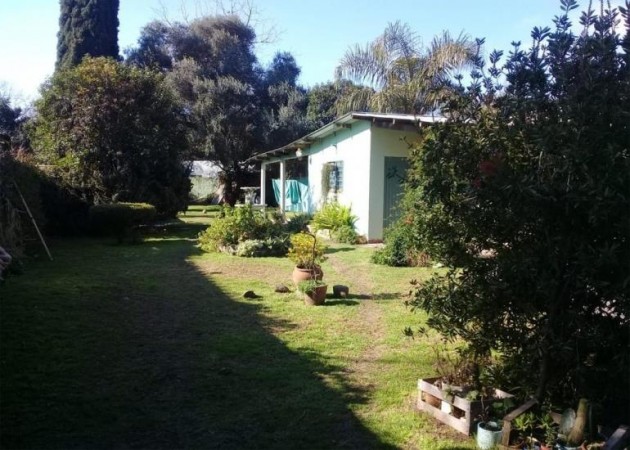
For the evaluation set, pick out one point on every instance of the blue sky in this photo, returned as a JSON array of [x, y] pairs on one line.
[[317, 33]]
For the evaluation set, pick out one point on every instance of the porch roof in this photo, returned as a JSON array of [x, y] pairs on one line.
[[345, 121]]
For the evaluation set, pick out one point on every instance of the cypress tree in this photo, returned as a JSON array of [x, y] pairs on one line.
[[87, 27]]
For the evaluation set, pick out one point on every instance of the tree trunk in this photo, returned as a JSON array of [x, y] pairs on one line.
[[544, 375], [229, 196], [576, 436]]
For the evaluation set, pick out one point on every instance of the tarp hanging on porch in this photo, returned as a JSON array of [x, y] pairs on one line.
[[296, 194]]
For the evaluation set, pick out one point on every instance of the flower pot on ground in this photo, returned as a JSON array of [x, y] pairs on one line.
[[299, 274], [314, 292], [488, 434], [307, 254]]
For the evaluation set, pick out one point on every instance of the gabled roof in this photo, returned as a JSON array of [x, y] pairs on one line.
[[345, 121]]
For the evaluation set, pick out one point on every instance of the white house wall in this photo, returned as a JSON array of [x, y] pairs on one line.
[[384, 143], [352, 147]]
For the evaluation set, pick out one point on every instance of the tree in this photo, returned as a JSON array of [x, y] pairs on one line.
[[153, 50], [284, 102], [233, 106], [87, 27], [283, 69], [524, 195], [406, 77], [9, 122], [226, 115], [113, 132], [216, 76], [325, 101]]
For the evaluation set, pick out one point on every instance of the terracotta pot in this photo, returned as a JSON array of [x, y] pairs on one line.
[[300, 274], [317, 296]]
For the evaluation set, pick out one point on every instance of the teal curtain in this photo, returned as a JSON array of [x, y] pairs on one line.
[[296, 194]]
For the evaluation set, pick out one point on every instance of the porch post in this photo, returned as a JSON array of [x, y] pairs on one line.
[[283, 199], [263, 183]]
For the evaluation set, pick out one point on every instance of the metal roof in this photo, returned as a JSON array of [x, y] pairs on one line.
[[344, 121]]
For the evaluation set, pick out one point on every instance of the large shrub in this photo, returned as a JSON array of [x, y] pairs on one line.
[[402, 247], [113, 133], [120, 219], [20, 181], [240, 224], [338, 220], [530, 186]]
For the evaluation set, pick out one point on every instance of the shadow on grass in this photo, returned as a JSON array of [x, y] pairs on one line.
[[336, 301], [381, 296], [331, 250], [132, 347]]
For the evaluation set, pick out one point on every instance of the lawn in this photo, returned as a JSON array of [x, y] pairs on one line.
[[153, 346]]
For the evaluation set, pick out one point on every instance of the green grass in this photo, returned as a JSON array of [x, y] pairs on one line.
[[153, 346]]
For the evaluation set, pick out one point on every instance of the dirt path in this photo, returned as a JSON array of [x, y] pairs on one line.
[[369, 323]]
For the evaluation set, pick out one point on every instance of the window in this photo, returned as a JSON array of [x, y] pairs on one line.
[[332, 178]]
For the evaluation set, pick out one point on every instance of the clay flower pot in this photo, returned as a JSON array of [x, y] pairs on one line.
[[300, 274], [314, 292]]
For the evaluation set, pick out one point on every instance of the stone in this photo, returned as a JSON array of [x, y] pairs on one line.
[[339, 290], [250, 294], [282, 289]]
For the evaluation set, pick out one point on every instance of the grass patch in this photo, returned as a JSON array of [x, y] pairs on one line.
[[153, 346]]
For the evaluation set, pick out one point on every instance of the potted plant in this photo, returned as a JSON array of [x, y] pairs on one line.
[[307, 254], [489, 434], [525, 424], [490, 428], [456, 372], [550, 432], [314, 291]]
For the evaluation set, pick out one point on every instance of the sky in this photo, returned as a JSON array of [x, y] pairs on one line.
[[316, 33]]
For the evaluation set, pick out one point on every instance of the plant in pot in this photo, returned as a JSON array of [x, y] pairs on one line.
[[525, 424], [550, 432], [490, 428], [307, 253], [314, 291], [457, 372]]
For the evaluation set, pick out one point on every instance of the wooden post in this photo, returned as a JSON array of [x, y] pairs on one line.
[[28, 210], [263, 183], [507, 420]]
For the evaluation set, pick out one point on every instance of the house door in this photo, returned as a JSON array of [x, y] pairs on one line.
[[395, 171]]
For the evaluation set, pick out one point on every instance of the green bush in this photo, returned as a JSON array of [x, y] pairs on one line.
[[237, 225], [401, 247], [113, 132], [529, 180], [298, 223], [306, 251], [67, 213], [119, 219], [346, 235], [256, 248], [334, 216]]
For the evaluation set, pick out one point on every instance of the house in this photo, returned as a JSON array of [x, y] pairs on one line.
[[359, 160]]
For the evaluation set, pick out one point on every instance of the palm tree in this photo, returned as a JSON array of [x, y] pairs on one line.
[[399, 74]]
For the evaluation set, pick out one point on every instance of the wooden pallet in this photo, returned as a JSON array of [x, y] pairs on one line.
[[466, 413]]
